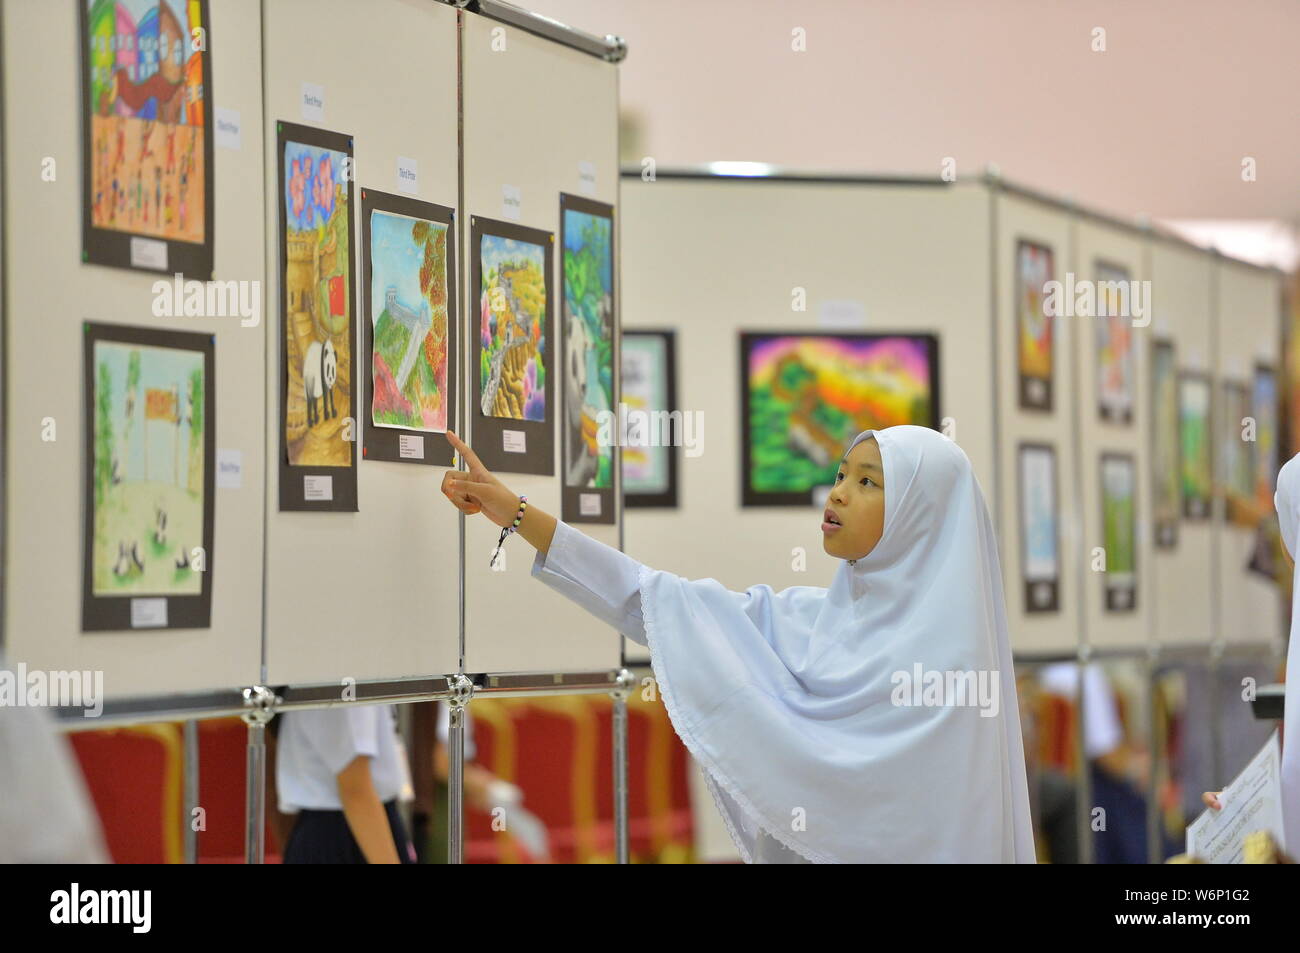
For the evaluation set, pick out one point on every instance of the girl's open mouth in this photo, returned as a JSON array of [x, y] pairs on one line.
[[830, 522]]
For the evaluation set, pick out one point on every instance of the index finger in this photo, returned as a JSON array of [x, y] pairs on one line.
[[466, 453]]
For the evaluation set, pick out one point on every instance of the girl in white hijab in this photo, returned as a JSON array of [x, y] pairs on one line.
[[874, 721]]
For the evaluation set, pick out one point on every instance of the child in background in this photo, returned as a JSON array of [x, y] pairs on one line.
[[339, 770]]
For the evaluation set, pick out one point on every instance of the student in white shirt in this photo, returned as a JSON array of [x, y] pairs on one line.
[[814, 711], [339, 770]]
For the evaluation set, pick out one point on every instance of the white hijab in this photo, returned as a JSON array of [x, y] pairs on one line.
[[787, 699], [1287, 501]]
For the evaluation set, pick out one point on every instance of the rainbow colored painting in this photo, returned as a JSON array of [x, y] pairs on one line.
[[806, 396]]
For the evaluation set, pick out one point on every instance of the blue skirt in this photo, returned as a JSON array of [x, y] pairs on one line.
[[324, 837]]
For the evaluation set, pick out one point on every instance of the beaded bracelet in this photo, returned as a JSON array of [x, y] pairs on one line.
[[507, 530]]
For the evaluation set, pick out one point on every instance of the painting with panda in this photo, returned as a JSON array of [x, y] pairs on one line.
[[149, 478], [587, 374], [318, 408]]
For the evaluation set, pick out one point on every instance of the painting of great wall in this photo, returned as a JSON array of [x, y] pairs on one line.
[[147, 103], [318, 306], [512, 312], [408, 291], [808, 396]]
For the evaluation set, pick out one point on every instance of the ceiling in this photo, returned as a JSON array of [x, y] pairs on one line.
[[1158, 124]]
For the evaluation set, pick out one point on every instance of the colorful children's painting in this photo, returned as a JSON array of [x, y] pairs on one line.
[[512, 319], [150, 480], [318, 299], [1194, 443], [1166, 478], [649, 454], [148, 134], [1039, 536], [1034, 269], [1119, 523], [408, 309], [1239, 430], [513, 394], [1265, 409], [1114, 334], [587, 279], [805, 396]]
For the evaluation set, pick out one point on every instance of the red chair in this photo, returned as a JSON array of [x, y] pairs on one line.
[[134, 778], [223, 769]]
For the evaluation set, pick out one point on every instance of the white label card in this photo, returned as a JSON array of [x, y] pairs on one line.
[[842, 314], [512, 202], [148, 253], [589, 504], [514, 441], [148, 613], [313, 102], [410, 446], [408, 175], [230, 469], [226, 122], [587, 177], [317, 488]]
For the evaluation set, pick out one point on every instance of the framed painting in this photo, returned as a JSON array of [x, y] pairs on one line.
[[1119, 530], [649, 391], [1040, 546], [146, 135], [318, 401], [1113, 332], [511, 360], [1035, 328], [1166, 480], [1195, 454], [409, 328], [1237, 453], [149, 478], [805, 396], [589, 430]]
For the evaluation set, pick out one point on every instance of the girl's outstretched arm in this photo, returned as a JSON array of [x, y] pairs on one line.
[[476, 490], [595, 576]]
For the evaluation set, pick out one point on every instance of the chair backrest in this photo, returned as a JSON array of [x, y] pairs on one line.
[[134, 778]]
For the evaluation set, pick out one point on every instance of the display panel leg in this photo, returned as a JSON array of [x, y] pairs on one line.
[[625, 683], [191, 790], [462, 690], [259, 705]]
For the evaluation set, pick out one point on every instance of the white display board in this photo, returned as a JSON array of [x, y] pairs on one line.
[[1183, 314], [50, 294], [540, 119], [711, 257], [371, 594], [1045, 419], [1248, 307]]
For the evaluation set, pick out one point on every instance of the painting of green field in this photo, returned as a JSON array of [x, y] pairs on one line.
[[1118, 515], [1194, 438], [148, 470]]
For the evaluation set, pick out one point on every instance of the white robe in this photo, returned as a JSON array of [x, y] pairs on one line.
[[793, 702], [1286, 499]]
